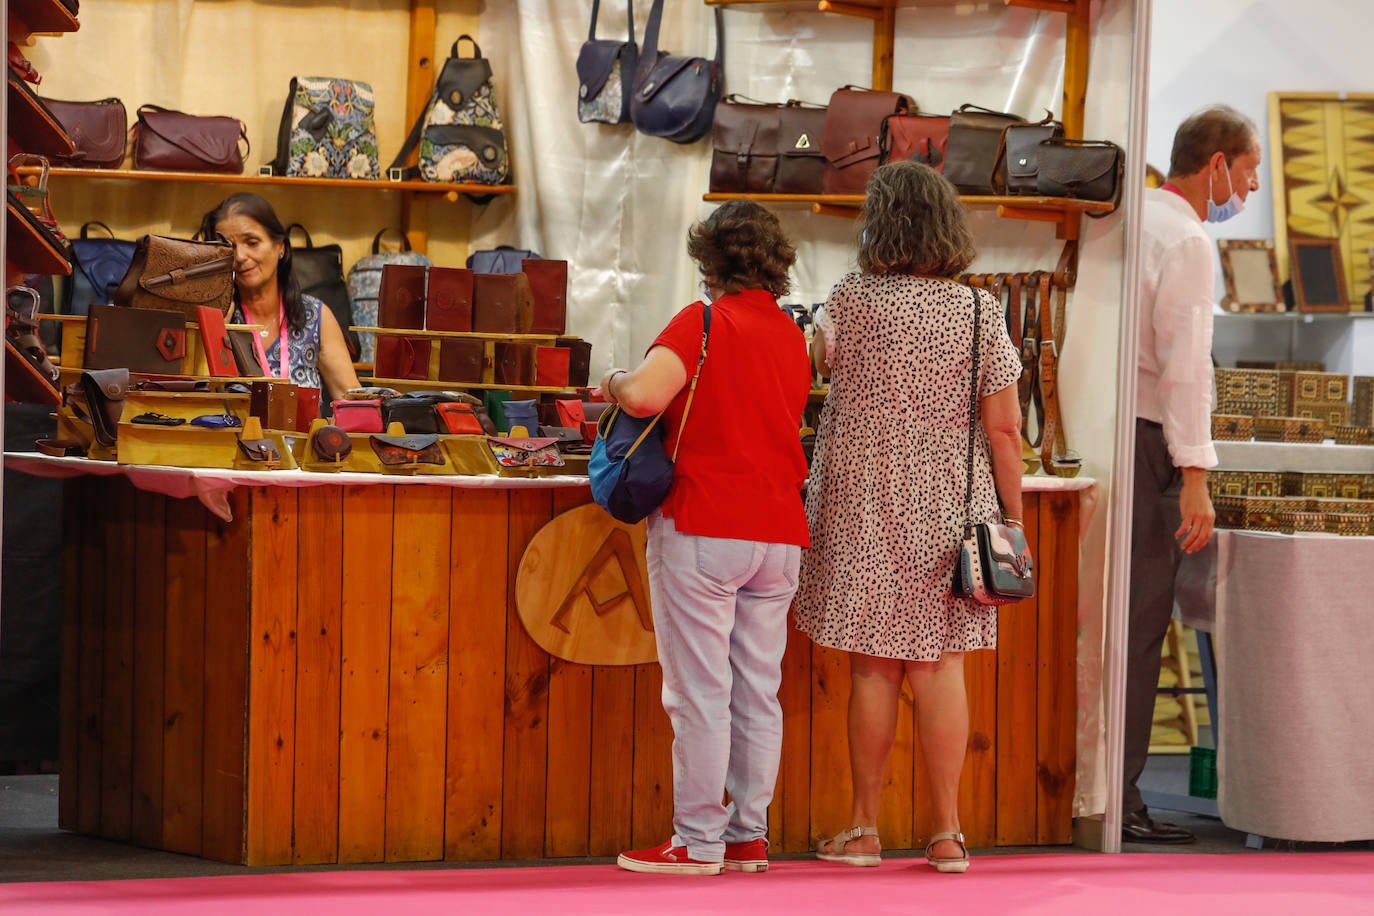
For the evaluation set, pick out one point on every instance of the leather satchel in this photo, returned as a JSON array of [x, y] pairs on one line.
[[97, 129], [179, 274], [515, 362], [137, 339], [675, 97], [1082, 169], [853, 136], [1017, 169], [448, 299], [745, 140], [462, 359], [318, 270], [549, 291], [502, 303], [917, 136], [401, 297], [605, 73], [402, 357], [975, 134], [174, 141], [801, 162]]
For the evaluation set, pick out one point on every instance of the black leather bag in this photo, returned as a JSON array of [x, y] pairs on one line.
[[1018, 157], [801, 163], [1082, 169], [318, 270], [975, 134], [605, 73], [675, 97]]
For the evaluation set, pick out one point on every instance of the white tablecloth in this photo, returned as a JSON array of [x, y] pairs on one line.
[[1295, 641]]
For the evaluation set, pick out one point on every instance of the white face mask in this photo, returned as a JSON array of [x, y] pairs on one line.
[[1233, 206]]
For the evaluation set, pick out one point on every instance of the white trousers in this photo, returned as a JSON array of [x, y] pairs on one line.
[[720, 619]]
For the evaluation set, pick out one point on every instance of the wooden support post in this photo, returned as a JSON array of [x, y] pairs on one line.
[[419, 83], [1076, 51]]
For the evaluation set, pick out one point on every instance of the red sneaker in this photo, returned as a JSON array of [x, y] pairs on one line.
[[666, 860], [750, 856]]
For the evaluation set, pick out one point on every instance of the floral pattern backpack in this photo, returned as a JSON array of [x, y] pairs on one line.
[[327, 131]]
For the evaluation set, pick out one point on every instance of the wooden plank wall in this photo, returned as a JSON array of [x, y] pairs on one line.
[[340, 675]]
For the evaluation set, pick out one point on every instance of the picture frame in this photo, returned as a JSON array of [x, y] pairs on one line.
[[1251, 274], [1318, 275]]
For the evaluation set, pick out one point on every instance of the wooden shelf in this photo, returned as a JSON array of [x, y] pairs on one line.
[[29, 119], [410, 384], [416, 332], [42, 16], [449, 191], [24, 383], [31, 252]]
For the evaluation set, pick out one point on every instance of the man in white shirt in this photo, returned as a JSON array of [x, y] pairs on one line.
[[1213, 168]]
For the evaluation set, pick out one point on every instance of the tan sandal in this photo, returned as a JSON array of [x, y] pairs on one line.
[[947, 864], [838, 842]]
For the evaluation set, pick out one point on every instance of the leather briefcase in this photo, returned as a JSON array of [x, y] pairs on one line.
[[502, 303], [402, 357], [975, 134], [745, 137], [180, 275], [549, 289], [853, 136], [515, 363], [97, 129], [922, 137], [1017, 170], [401, 297], [462, 359], [140, 340], [273, 403], [551, 366], [801, 163], [174, 141], [448, 299], [579, 360], [1083, 169]]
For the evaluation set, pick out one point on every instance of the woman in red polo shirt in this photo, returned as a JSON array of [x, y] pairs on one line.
[[725, 546]]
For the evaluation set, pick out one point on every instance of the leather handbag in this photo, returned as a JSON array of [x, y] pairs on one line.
[[745, 141], [502, 303], [503, 259], [675, 97], [1082, 169], [605, 73], [98, 130], [359, 416], [579, 360], [408, 451], [526, 452], [401, 356], [917, 136], [975, 134], [98, 264], [549, 291], [274, 404], [415, 414], [137, 339], [401, 297], [448, 299], [327, 130], [460, 419], [318, 270], [514, 361], [551, 367], [100, 396], [801, 162], [462, 359], [853, 136], [365, 284], [174, 141], [179, 274], [1017, 169]]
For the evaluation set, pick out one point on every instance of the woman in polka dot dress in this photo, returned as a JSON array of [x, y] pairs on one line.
[[886, 497]]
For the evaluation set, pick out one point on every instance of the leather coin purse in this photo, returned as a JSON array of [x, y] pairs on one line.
[[218, 421], [398, 451], [331, 444], [538, 452], [260, 450]]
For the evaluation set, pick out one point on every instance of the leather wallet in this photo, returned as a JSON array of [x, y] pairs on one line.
[[401, 297], [551, 366], [329, 443], [245, 354], [502, 303], [172, 384], [359, 416], [140, 340], [514, 362], [461, 359], [398, 451], [526, 452], [549, 289], [570, 412], [403, 357], [214, 340], [273, 403], [448, 301], [459, 419], [579, 360]]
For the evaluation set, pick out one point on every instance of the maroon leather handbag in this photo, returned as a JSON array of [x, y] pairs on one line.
[[922, 137], [853, 136], [97, 129], [174, 141]]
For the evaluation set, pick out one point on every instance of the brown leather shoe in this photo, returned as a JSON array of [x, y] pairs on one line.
[[1139, 827]]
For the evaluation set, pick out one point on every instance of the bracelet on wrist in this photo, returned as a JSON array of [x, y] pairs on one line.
[[1013, 521], [610, 382]]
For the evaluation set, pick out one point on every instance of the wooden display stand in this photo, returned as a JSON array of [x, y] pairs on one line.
[[341, 675]]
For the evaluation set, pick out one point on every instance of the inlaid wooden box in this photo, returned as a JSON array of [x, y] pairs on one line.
[[1233, 427], [1260, 513], [1329, 412], [1362, 401], [1289, 429], [1350, 435], [1246, 483], [1248, 391]]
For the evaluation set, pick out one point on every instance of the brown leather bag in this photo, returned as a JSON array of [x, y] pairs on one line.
[[140, 340], [401, 296], [178, 142], [744, 146], [502, 303], [549, 287], [922, 137], [801, 164], [100, 396], [179, 274], [1017, 169], [97, 129], [853, 136], [515, 362], [273, 403], [461, 359], [975, 134], [448, 299]]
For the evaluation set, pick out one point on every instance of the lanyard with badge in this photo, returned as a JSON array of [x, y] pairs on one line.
[[283, 348]]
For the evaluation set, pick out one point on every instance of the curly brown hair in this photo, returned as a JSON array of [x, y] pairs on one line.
[[913, 222], [742, 246]]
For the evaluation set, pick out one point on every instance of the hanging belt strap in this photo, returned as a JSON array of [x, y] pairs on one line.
[[1051, 340], [1028, 389]]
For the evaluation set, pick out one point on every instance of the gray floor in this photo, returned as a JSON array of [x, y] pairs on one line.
[[33, 849]]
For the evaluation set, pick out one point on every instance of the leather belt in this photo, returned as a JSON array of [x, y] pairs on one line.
[[1028, 387], [1051, 339]]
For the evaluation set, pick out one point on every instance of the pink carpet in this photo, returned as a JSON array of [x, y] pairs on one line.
[[1315, 884]]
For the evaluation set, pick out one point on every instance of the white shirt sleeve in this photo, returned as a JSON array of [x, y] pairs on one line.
[[1182, 324]]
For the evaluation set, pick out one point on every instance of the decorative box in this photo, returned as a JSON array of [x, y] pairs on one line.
[[1341, 504], [1329, 486], [1289, 429], [1332, 413], [1297, 521], [1362, 401], [1247, 391], [1330, 387], [1290, 365], [1233, 427], [1246, 483], [1348, 524], [1261, 513], [1350, 435]]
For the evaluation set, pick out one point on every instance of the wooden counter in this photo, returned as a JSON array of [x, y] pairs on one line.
[[340, 675]]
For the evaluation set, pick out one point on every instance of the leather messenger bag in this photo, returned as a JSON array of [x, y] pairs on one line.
[[853, 136], [744, 146], [180, 142]]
